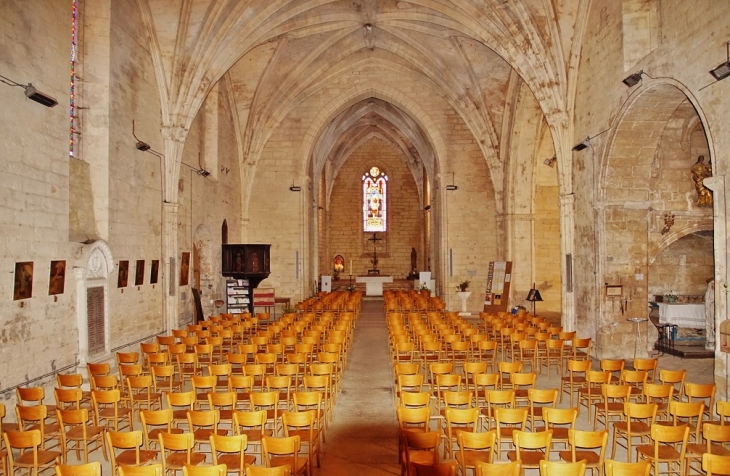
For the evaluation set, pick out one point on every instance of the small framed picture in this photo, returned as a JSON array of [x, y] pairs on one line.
[[123, 274], [23, 286], [139, 273], [154, 270], [57, 278], [614, 290]]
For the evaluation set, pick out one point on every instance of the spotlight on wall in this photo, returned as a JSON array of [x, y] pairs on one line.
[[722, 71], [39, 97], [427, 207], [551, 161], [582, 145], [31, 92], [203, 172], [633, 79], [295, 188], [143, 146], [452, 187]]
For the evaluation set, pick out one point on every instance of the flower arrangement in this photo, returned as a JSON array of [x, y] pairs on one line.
[[289, 309], [463, 286], [423, 287], [670, 297]]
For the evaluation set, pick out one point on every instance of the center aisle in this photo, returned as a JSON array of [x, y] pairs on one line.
[[363, 437]]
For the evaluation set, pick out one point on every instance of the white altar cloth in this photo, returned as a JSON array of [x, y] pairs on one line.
[[682, 315], [374, 284]]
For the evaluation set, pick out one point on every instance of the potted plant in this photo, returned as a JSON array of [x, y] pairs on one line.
[[463, 286], [670, 297]]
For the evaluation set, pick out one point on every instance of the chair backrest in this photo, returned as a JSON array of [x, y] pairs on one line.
[[215, 470], [553, 468], [447, 468], [669, 434], [620, 468], [532, 441], [640, 411], [560, 416], [511, 416], [413, 417], [715, 464], [483, 468], [88, 469], [715, 433], [261, 471]]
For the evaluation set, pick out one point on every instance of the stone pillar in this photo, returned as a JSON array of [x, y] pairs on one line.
[[174, 143], [81, 314], [719, 200], [567, 231]]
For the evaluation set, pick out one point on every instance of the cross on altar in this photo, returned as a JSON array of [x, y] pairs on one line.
[[375, 240]]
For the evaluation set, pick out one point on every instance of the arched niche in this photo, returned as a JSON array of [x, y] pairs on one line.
[[208, 261], [92, 309]]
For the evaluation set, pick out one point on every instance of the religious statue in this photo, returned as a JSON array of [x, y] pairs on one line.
[[700, 171], [413, 274]]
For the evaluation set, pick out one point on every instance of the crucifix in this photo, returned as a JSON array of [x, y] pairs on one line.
[[375, 240]]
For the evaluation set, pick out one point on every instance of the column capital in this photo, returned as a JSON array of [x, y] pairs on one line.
[[174, 133], [567, 200]]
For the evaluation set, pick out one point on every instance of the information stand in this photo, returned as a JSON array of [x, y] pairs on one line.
[[499, 279]]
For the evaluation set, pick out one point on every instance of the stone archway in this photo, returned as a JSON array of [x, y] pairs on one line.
[[645, 181], [92, 307]]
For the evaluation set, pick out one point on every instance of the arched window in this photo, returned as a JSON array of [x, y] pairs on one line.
[[374, 200]]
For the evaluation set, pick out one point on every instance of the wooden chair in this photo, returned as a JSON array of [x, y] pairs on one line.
[[676, 379], [474, 447], [418, 447], [304, 425], [670, 445], [553, 355], [459, 420], [180, 404], [24, 450], [153, 423], [613, 398], [531, 448], [508, 420], [591, 393], [87, 469], [34, 418], [129, 442], [34, 396], [284, 451], [513, 468], [575, 379], [582, 446], [716, 439], [560, 421], [702, 392], [640, 418], [252, 425], [539, 400], [203, 424], [73, 381], [141, 394], [661, 394], [108, 410], [619, 468], [76, 433], [177, 450], [648, 366], [496, 399], [230, 451]]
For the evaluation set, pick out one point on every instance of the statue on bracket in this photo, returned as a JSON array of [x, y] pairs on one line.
[[700, 171]]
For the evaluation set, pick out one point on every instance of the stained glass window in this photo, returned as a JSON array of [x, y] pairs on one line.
[[72, 105], [374, 203]]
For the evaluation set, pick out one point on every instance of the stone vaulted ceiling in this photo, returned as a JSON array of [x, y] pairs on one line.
[[274, 53]]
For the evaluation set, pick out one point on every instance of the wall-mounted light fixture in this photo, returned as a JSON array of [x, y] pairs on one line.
[[633, 79], [427, 207], [452, 187], [583, 144], [722, 71], [551, 161], [295, 188], [144, 146], [31, 92], [201, 171]]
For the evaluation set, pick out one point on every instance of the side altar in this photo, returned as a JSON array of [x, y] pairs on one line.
[[374, 284]]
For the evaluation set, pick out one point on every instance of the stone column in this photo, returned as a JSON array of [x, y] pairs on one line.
[[567, 246], [719, 200], [81, 316], [174, 142]]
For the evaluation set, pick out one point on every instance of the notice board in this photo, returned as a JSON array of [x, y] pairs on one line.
[[499, 278]]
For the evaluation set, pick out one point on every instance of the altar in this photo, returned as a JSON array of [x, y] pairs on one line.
[[374, 284], [682, 315]]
